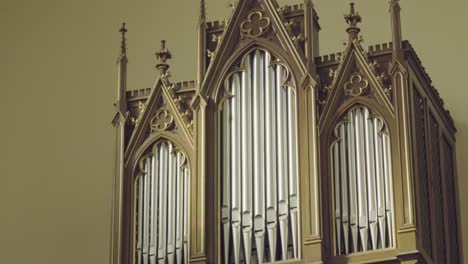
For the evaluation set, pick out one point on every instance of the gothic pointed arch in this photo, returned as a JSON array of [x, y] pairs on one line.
[[253, 23], [355, 79], [160, 206], [260, 204], [158, 164], [357, 126], [163, 112]]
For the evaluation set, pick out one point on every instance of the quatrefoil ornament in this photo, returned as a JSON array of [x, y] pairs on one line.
[[162, 120], [255, 25], [356, 86]]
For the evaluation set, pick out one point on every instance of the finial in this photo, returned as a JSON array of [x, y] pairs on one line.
[[353, 18], [123, 46], [163, 55], [202, 11], [396, 30], [394, 3]]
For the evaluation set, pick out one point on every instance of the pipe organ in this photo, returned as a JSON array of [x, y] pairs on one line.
[[259, 163], [162, 206], [294, 157], [362, 183]]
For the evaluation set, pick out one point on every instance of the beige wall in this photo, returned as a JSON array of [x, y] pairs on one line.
[[58, 83]]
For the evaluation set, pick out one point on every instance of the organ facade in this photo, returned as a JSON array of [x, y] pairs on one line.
[[276, 154]]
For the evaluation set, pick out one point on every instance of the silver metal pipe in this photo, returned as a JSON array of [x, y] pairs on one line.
[[249, 83], [186, 213], [259, 152], [179, 207], [283, 206], [226, 181], [154, 204], [371, 185], [353, 201], [140, 219], [236, 167], [388, 186], [271, 161], [171, 205], [292, 165], [336, 173], [146, 210], [162, 217], [344, 186], [380, 180], [361, 177]]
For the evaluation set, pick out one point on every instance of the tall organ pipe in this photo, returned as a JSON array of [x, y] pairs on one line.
[[344, 186], [258, 154], [154, 203], [236, 168], [283, 206], [248, 85], [261, 165], [226, 181], [271, 162]]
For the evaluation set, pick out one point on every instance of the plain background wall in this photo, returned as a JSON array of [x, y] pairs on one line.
[[58, 82]]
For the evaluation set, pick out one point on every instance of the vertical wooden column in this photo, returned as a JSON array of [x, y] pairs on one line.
[[119, 123], [198, 219], [310, 190], [405, 226]]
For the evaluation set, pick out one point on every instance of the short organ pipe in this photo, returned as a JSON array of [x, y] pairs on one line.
[[361, 168], [162, 207]]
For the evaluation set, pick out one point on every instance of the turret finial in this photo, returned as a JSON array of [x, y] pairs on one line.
[[202, 11], [353, 18], [396, 30], [163, 55], [123, 47]]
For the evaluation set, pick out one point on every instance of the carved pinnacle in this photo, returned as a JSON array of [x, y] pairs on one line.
[[163, 55], [353, 18], [123, 30]]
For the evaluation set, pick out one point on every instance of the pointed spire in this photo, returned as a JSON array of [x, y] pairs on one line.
[[311, 28], [202, 15], [122, 73], [353, 18], [202, 28], [163, 55], [396, 29], [123, 46]]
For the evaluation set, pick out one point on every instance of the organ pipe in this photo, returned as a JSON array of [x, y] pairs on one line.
[[361, 168], [162, 207], [259, 164]]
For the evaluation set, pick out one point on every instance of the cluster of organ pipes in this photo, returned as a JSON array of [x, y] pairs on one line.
[[362, 180], [259, 220], [162, 207]]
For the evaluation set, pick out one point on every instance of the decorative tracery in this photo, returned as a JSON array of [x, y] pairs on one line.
[[361, 169]]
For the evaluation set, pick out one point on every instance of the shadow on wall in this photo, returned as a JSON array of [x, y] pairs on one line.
[[462, 182]]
